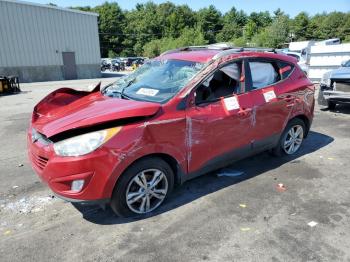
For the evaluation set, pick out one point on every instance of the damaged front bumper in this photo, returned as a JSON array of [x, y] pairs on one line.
[[330, 94], [59, 173]]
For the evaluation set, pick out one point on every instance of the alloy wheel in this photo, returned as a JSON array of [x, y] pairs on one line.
[[293, 139], [146, 191]]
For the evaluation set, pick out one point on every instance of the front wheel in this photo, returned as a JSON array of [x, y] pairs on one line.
[[291, 138], [142, 188]]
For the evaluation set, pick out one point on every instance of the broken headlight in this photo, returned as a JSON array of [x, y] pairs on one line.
[[84, 144]]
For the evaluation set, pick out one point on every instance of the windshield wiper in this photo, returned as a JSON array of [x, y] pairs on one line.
[[121, 92], [127, 85]]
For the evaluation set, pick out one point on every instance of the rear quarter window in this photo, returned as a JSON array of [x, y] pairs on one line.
[[285, 69]]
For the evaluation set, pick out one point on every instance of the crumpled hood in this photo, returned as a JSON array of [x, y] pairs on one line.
[[67, 109]]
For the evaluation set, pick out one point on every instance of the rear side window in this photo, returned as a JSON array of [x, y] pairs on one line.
[[285, 69], [263, 74], [266, 73]]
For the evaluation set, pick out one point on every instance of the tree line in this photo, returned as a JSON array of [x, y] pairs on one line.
[[149, 28]]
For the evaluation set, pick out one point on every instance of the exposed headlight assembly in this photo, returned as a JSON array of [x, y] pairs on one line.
[[84, 144]]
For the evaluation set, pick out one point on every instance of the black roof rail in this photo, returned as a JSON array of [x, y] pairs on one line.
[[224, 47], [244, 49], [219, 46]]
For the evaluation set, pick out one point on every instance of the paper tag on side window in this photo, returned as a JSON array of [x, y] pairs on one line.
[[147, 91], [231, 103], [269, 95]]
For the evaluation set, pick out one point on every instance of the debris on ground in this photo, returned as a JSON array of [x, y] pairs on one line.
[[14, 187], [20, 165], [243, 205], [312, 223], [29, 204], [330, 158], [7, 232], [229, 172], [267, 218], [244, 229], [281, 187]]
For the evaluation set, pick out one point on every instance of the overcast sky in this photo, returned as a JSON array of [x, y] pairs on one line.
[[290, 7]]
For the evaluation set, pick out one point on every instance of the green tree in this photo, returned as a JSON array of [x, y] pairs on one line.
[[250, 29], [331, 26], [209, 22], [233, 23], [299, 26], [83, 8], [111, 22], [278, 32], [151, 28], [181, 18], [261, 19], [189, 36]]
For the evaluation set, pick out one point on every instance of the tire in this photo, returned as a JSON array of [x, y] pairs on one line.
[[281, 149], [331, 105], [142, 200]]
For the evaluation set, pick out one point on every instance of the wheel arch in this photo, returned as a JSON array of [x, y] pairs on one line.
[[170, 160], [306, 121]]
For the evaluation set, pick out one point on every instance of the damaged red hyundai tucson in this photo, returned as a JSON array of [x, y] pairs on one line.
[[185, 113]]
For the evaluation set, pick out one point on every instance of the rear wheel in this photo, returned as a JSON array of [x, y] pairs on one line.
[[291, 138], [142, 188]]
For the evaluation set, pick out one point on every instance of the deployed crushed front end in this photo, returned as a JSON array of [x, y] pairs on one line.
[[71, 143], [74, 178]]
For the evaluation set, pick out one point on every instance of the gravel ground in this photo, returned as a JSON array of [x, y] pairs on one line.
[[213, 218]]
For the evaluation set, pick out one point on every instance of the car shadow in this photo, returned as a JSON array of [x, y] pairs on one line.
[[339, 109], [209, 183], [342, 109]]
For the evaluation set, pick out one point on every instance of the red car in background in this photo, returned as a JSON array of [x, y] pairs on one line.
[[180, 115]]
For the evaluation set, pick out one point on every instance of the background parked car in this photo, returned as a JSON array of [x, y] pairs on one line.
[[137, 63], [335, 86], [117, 65], [105, 64]]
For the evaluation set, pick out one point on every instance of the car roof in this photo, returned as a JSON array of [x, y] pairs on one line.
[[199, 56], [204, 55]]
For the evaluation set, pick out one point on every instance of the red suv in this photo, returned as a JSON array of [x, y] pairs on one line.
[[180, 115]]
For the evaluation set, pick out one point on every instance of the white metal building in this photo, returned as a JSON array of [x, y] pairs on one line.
[[327, 57], [43, 43]]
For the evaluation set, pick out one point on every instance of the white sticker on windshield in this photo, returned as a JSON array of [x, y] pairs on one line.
[[231, 103], [147, 91], [269, 95]]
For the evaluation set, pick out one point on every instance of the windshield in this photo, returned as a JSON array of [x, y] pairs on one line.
[[155, 81]]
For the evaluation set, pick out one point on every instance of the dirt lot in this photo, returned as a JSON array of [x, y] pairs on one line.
[[214, 218]]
